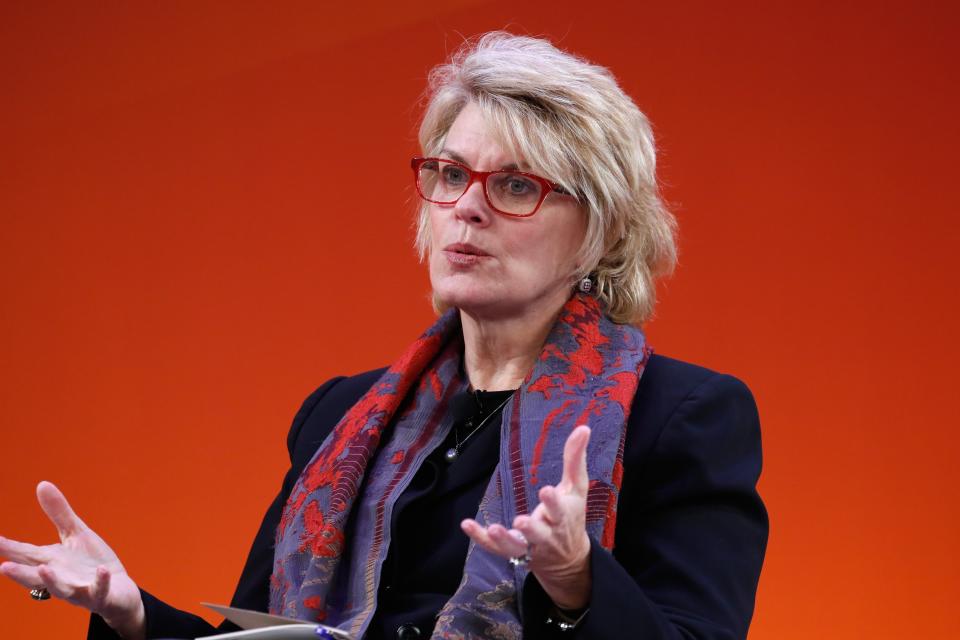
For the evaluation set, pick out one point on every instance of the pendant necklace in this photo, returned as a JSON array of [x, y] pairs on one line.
[[454, 452]]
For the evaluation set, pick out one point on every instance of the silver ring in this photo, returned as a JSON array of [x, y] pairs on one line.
[[519, 561], [39, 593]]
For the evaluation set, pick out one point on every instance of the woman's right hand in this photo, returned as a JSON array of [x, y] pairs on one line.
[[82, 569]]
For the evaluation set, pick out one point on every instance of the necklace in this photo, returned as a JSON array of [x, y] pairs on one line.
[[454, 452]]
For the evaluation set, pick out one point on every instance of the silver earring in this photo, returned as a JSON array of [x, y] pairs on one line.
[[585, 285]]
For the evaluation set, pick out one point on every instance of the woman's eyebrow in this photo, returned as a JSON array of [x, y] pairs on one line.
[[453, 155]]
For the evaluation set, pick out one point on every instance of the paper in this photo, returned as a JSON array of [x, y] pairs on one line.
[[264, 626]]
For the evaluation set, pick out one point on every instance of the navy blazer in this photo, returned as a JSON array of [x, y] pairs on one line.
[[691, 529]]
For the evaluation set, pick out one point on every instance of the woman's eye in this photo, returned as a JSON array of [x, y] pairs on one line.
[[454, 175], [517, 186]]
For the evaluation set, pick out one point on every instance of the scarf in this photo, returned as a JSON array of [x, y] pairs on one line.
[[586, 373]]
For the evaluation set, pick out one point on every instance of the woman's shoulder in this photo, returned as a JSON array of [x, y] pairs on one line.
[[667, 382], [675, 392], [323, 408], [346, 388]]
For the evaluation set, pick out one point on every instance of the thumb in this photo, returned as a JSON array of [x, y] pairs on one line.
[[55, 505], [575, 476]]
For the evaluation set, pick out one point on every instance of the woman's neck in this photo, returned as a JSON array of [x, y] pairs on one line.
[[499, 353]]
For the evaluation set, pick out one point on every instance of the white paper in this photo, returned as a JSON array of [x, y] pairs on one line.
[[264, 626]]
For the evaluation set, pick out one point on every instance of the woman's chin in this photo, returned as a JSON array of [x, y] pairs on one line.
[[468, 299]]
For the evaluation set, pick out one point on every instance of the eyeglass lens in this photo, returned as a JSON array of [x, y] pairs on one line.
[[444, 182]]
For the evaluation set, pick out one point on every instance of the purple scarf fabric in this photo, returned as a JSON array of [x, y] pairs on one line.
[[587, 373]]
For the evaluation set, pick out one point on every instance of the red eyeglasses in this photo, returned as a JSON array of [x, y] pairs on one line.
[[509, 192]]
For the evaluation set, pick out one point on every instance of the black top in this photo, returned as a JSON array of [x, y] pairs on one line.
[[424, 564]]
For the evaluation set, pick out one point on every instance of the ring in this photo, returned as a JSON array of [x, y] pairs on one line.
[[519, 561], [39, 593]]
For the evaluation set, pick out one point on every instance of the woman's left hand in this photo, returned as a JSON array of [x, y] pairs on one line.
[[554, 536]]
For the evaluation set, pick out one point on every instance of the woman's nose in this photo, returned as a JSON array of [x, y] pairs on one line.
[[472, 207]]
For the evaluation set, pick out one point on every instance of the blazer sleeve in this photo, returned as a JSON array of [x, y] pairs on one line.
[[253, 589], [691, 534]]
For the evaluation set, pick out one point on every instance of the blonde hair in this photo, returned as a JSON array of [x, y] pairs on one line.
[[571, 122]]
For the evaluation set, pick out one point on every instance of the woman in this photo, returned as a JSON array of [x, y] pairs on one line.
[[544, 233]]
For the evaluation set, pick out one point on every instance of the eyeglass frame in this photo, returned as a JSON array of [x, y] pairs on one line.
[[548, 186]]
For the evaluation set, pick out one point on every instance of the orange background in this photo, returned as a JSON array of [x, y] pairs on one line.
[[205, 212]]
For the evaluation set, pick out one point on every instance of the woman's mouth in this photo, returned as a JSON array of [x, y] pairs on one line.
[[462, 253]]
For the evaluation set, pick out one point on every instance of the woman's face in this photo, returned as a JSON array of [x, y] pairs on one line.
[[491, 265]]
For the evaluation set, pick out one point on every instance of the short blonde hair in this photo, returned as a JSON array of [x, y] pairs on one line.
[[572, 123]]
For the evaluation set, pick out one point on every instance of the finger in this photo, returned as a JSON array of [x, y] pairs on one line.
[[552, 505], [509, 543], [27, 576], [500, 532], [500, 542], [23, 552], [55, 585], [481, 535], [101, 586], [477, 533], [575, 461], [474, 529], [58, 509], [537, 531]]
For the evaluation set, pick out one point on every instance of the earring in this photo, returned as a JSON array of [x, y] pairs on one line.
[[585, 285]]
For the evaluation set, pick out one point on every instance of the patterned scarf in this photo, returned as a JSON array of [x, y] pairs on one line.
[[587, 373]]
